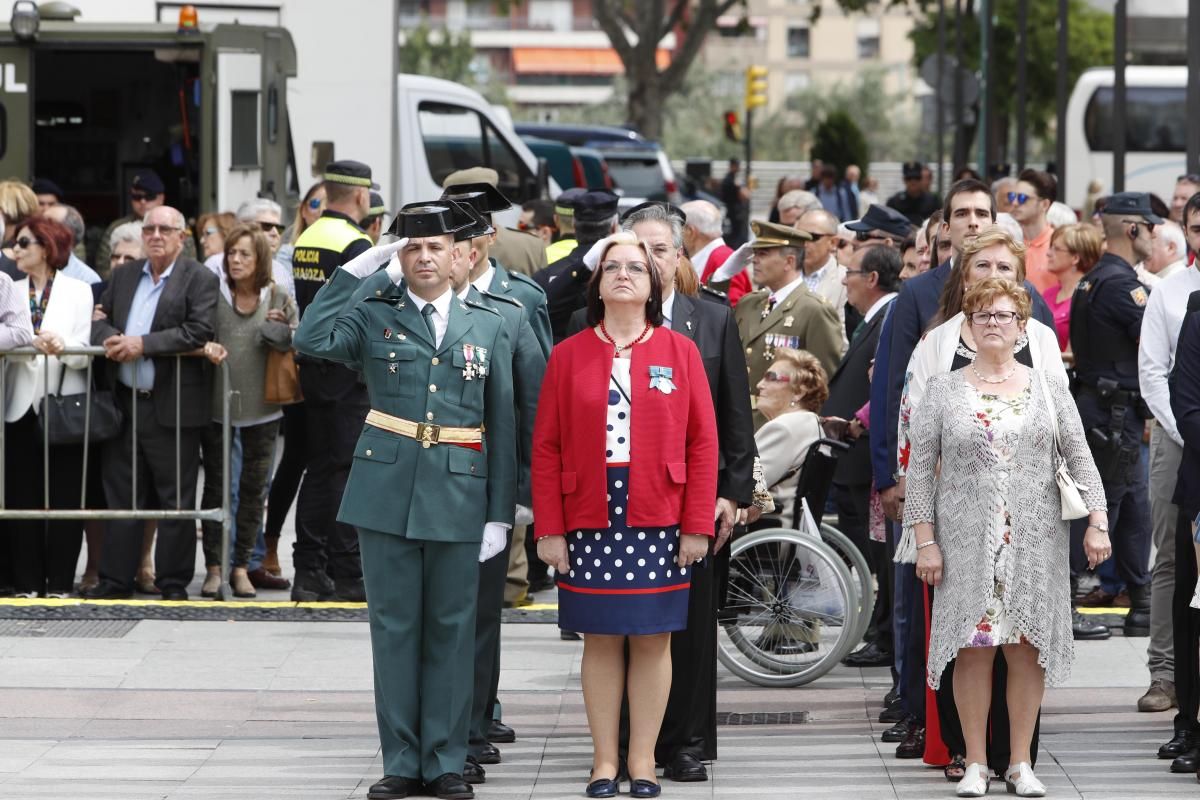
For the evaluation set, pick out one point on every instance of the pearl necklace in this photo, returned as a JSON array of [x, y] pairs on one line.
[[617, 348], [993, 380]]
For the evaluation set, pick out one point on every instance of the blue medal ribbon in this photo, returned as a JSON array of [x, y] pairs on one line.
[[660, 379]]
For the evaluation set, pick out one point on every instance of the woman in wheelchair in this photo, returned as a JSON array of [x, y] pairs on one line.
[[789, 394]]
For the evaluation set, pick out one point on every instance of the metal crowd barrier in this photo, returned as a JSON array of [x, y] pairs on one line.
[[82, 513]]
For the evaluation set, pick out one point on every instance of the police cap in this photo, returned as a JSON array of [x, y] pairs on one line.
[[422, 220], [349, 173], [885, 219], [378, 207], [912, 170], [564, 204], [772, 234], [1132, 204], [672, 210], [599, 206], [147, 182], [483, 196], [47, 186]]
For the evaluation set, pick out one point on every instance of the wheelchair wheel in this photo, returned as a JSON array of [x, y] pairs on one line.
[[860, 571], [792, 609]]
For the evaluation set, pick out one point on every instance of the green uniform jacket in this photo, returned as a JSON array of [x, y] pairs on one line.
[[441, 493], [802, 321], [532, 296]]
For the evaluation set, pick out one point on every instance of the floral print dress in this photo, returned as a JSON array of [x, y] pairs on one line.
[[1001, 417]]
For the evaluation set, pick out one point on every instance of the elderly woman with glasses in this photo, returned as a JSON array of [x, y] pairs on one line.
[[990, 533], [624, 485]]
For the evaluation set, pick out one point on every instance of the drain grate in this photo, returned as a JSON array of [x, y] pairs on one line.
[[763, 718], [67, 628]]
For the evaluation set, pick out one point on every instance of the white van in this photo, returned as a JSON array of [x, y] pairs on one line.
[[1155, 131]]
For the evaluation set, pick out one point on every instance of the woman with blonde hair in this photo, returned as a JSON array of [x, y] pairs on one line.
[[1074, 249]]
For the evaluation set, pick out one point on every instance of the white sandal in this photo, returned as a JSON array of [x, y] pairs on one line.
[[1020, 780], [975, 781]]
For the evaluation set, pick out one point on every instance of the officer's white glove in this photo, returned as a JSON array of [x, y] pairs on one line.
[[395, 271], [591, 259], [736, 262], [495, 540], [524, 515], [368, 263]]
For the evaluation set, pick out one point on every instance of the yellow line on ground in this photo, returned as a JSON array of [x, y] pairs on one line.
[[1104, 610]]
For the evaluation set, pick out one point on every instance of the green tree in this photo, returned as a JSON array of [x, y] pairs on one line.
[[839, 141], [438, 53]]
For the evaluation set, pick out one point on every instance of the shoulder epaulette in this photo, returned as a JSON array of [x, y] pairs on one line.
[[501, 297], [480, 306], [714, 292], [523, 278]]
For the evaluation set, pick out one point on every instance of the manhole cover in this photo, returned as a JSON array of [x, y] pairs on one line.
[[763, 717], [67, 628]]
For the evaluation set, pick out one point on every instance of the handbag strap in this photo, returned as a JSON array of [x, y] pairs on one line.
[[1041, 373]]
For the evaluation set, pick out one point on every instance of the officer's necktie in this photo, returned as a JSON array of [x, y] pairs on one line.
[[427, 313], [858, 329], [766, 312]]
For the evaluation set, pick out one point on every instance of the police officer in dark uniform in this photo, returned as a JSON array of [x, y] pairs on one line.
[[565, 281], [326, 551], [915, 201], [1106, 323]]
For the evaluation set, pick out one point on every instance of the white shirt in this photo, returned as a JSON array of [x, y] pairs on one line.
[[878, 306], [1161, 324], [441, 313], [782, 293], [484, 282], [813, 281], [668, 307], [700, 260]]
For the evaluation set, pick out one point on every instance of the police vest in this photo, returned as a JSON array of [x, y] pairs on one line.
[[323, 247]]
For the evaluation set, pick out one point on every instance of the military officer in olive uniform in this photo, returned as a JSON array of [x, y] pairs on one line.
[[784, 313], [1106, 324], [432, 488], [519, 251]]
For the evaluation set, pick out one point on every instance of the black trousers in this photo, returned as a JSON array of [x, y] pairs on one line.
[[286, 481], [492, 576], [1186, 621], [43, 554], [853, 504], [333, 426], [175, 548]]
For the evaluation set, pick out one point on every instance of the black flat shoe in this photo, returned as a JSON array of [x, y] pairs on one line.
[[1186, 762], [870, 656], [488, 754], [106, 590], [913, 745], [891, 697], [893, 713], [569, 636], [897, 733], [685, 768], [499, 733], [1083, 629], [602, 787], [393, 787], [175, 594], [472, 772], [1180, 743], [644, 788], [450, 787]]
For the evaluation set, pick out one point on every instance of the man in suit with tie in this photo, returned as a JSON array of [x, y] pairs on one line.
[[153, 310], [872, 280], [688, 735], [784, 313]]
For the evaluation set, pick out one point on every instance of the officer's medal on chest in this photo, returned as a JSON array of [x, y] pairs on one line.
[[477, 364]]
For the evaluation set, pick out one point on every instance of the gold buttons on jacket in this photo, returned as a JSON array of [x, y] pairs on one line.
[[435, 361], [432, 388]]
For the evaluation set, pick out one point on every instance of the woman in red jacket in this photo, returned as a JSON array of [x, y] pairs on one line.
[[624, 485]]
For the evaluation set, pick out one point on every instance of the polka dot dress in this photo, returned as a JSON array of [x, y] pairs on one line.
[[622, 580]]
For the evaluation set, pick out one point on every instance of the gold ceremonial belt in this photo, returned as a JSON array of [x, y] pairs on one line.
[[425, 432]]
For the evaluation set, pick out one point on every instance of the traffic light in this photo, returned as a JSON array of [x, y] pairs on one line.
[[733, 127], [756, 86]]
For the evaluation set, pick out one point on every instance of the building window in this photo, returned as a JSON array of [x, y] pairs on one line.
[[793, 84], [868, 38], [797, 42]]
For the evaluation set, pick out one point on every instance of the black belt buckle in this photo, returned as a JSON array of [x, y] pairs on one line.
[[428, 434]]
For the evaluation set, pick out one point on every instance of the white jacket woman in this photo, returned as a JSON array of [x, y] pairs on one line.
[[69, 314]]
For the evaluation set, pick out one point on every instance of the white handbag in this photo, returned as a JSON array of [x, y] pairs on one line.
[[1070, 493]]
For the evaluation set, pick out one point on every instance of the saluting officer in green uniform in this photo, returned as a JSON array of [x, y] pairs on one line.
[[432, 488], [784, 313], [492, 274]]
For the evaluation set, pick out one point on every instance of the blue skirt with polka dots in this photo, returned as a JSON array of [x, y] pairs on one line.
[[623, 580]]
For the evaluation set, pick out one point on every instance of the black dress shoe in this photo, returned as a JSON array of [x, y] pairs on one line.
[[175, 594], [349, 590], [499, 733], [487, 753], [393, 787], [891, 697], [686, 768], [602, 787], [106, 590], [1083, 629], [450, 786], [898, 732], [1186, 761], [893, 713], [870, 656], [913, 745], [472, 772], [569, 636], [1180, 743]]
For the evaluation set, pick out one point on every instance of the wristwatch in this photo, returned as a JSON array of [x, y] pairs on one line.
[[1100, 526]]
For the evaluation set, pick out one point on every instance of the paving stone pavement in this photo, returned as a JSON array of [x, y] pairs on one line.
[[225, 710]]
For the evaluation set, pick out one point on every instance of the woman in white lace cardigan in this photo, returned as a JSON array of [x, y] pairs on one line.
[[999, 548]]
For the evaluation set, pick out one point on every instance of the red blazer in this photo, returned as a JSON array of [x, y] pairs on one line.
[[740, 284], [673, 460]]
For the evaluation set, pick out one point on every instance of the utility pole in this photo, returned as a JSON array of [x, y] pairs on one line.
[[1118, 106], [1060, 91], [940, 101], [1022, 58], [985, 80]]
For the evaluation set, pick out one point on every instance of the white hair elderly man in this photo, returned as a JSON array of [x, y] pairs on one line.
[[1169, 255], [71, 219], [268, 216], [793, 204], [708, 252]]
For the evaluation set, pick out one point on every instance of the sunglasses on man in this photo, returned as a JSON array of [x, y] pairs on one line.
[[1020, 198], [267, 227], [142, 196]]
